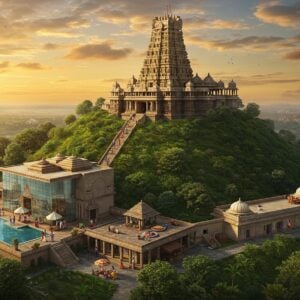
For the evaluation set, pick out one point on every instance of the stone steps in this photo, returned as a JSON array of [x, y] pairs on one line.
[[120, 139], [64, 252]]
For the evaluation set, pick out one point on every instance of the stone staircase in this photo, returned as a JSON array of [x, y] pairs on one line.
[[120, 139], [212, 241], [62, 255]]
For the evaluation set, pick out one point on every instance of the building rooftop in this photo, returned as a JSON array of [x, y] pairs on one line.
[[265, 205], [34, 169], [141, 211], [128, 236]]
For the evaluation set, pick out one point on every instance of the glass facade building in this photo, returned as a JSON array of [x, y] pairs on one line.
[[39, 196]]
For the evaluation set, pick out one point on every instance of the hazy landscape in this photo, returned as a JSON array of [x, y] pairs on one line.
[[13, 119]]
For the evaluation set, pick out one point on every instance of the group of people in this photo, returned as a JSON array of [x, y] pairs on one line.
[[61, 224], [106, 274], [44, 235], [1, 211], [12, 220]]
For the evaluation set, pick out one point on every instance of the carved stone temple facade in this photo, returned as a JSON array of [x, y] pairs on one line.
[[166, 87]]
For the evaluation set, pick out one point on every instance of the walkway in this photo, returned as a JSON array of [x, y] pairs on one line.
[[120, 139], [126, 278]]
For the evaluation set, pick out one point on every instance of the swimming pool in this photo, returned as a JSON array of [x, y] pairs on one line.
[[22, 234]]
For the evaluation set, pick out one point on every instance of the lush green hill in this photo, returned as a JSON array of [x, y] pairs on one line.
[[184, 167], [88, 136]]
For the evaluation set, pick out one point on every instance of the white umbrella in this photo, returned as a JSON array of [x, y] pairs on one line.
[[21, 210], [54, 216]]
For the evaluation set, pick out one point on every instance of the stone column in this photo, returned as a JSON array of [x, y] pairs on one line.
[[121, 252], [158, 253], [141, 260], [112, 250], [149, 256], [129, 256], [103, 245]]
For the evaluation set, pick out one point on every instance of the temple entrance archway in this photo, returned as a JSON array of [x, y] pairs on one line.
[[141, 107]]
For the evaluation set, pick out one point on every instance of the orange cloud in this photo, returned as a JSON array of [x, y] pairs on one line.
[[31, 66], [293, 55], [274, 12], [99, 51]]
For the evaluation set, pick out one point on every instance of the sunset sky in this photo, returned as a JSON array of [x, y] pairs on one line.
[[64, 51]]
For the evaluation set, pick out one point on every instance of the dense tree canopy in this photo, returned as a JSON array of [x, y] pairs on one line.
[[12, 280], [84, 107], [70, 119], [14, 154]]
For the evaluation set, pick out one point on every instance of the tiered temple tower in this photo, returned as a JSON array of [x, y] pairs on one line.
[[166, 87]]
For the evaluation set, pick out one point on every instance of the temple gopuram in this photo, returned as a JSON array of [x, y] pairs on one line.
[[166, 87]]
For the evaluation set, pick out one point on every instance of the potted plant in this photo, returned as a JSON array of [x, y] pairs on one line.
[[35, 246], [74, 231], [16, 244]]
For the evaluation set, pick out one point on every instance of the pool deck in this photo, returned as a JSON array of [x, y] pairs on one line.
[[26, 246]]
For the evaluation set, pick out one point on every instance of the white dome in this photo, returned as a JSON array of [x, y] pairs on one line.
[[239, 208], [297, 193]]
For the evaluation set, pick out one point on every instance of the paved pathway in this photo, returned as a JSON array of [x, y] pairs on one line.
[[127, 278]]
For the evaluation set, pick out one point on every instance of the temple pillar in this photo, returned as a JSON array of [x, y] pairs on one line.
[[130, 256], [121, 252], [112, 250], [103, 246], [149, 256], [141, 260]]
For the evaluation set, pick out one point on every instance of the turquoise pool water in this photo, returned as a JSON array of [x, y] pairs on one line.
[[23, 234]]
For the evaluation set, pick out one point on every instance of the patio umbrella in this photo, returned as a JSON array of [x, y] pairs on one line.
[[54, 216], [101, 262], [21, 210]]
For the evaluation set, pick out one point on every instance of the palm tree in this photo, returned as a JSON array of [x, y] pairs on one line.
[[234, 271]]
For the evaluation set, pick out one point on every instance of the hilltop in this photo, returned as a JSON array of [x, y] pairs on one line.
[[184, 167]]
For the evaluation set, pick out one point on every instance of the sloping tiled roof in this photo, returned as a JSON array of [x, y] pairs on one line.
[[141, 211]]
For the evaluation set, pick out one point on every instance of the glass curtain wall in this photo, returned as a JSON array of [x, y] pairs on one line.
[[45, 197]]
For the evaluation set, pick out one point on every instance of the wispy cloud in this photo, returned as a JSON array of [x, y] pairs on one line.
[[31, 66], [278, 13], [293, 55], [103, 51]]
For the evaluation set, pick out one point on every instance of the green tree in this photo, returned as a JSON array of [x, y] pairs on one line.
[[150, 199], [13, 282], [195, 197], [222, 291], [84, 107], [234, 272], [232, 191], [289, 276], [4, 142], [99, 103], [166, 202], [14, 154], [287, 135], [275, 292], [158, 280], [200, 270], [252, 109], [70, 119], [171, 160], [46, 127]]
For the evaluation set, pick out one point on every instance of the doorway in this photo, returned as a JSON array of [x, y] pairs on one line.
[[279, 226], [93, 214], [27, 202], [247, 233], [141, 107], [268, 228]]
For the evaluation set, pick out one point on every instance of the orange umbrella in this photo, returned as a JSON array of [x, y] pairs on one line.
[[101, 262]]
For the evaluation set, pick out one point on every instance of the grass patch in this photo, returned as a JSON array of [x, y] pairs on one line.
[[64, 284]]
